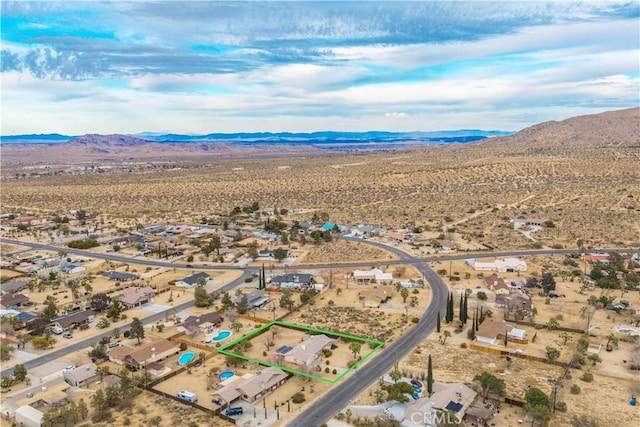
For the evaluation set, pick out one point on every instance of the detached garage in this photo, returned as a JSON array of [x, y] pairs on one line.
[[28, 416]]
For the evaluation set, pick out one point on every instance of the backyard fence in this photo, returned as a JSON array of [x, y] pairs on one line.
[[501, 352]]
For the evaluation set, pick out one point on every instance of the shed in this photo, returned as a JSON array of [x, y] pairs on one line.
[[28, 416]]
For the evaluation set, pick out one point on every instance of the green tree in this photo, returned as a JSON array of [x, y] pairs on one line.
[[355, 348], [565, 336], [594, 358], [429, 377], [201, 297], [535, 396], [395, 374], [19, 372], [553, 324], [538, 413], [548, 283], [444, 336], [482, 296], [5, 352], [227, 303], [286, 300], [83, 410], [137, 329], [50, 308], [612, 341], [552, 353], [102, 371], [243, 304], [438, 323], [489, 383], [236, 326], [404, 293], [280, 254]]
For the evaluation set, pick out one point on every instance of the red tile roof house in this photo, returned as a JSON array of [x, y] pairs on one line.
[[134, 297], [73, 319], [496, 284], [397, 237]]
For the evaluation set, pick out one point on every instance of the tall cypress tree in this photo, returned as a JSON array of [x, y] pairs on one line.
[[438, 323], [466, 313], [461, 313], [449, 317], [430, 377]]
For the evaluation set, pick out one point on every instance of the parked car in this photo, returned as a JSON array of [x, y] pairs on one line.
[[237, 410], [69, 368], [113, 344], [67, 335], [57, 330]]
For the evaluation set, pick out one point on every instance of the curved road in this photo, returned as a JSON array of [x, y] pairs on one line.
[[325, 407]]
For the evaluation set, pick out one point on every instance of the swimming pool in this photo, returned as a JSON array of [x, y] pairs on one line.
[[225, 375], [222, 335], [186, 358]]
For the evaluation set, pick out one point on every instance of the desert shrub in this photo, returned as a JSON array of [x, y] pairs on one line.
[[463, 345], [264, 354], [587, 377], [327, 370], [328, 362], [335, 371], [127, 334], [482, 296], [575, 389], [298, 397], [327, 352], [415, 319], [183, 346], [561, 406]]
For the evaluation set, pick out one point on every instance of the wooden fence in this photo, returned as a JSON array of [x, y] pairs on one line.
[[501, 352], [542, 326]]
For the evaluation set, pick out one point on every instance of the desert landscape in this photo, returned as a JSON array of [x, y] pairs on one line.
[[571, 185]]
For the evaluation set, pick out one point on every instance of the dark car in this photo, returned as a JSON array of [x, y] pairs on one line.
[[189, 265], [234, 411], [67, 335]]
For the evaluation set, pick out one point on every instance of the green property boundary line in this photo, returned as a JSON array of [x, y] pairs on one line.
[[264, 328]]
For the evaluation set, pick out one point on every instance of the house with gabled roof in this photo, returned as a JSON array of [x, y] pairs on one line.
[[374, 275], [375, 297], [306, 353], [496, 284], [191, 281], [73, 319], [14, 301], [292, 281], [81, 376], [133, 297], [455, 397], [200, 324], [251, 388], [493, 332], [156, 351]]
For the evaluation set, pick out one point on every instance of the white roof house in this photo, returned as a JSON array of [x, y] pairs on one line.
[[506, 265], [374, 274]]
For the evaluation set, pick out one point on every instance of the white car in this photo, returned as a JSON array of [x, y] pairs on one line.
[[69, 368]]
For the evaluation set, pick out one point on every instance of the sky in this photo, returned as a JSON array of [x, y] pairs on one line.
[[197, 67]]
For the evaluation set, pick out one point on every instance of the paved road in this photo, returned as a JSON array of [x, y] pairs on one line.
[[325, 407], [81, 345]]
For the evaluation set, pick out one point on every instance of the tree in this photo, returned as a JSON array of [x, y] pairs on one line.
[[83, 410], [552, 353], [404, 293], [553, 324], [114, 311], [236, 326], [50, 309], [565, 336], [227, 303], [482, 295], [252, 250], [438, 323], [612, 341], [137, 329], [594, 358], [548, 283], [535, 396], [19, 372], [100, 302], [395, 374], [280, 254], [201, 297], [102, 371], [429, 377], [355, 348], [243, 304], [538, 413], [286, 301], [444, 336], [489, 383], [156, 420]]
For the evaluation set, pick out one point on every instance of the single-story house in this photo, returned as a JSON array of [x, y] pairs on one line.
[[292, 281], [507, 265], [492, 332], [200, 324], [514, 301], [254, 299], [81, 376], [270, 254], [133, 297], [602, 258], [375, 297], [455, 397], [119, 276], [14, 301], [193, 280], [305, 353], [396, 237], [12, 286], [72, 268], [251, 389], [73, 319], [496, 284], [374, 275], [156, 351]]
